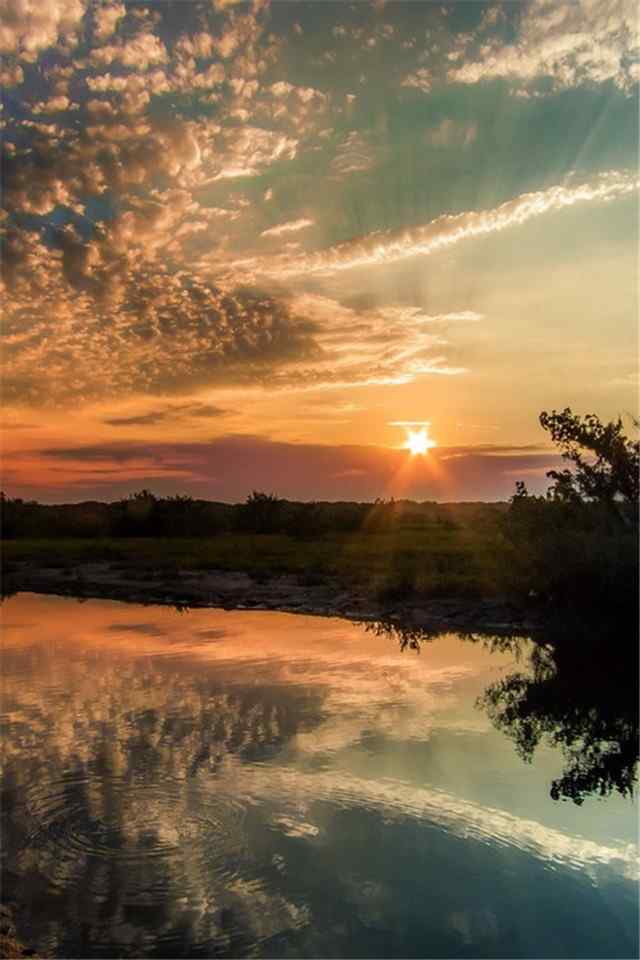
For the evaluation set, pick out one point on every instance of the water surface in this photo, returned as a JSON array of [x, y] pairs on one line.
[[236, 784]]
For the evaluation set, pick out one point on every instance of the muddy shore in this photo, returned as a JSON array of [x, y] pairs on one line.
[[239, 591]]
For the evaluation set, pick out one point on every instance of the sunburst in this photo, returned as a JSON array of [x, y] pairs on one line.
[[418, 441]]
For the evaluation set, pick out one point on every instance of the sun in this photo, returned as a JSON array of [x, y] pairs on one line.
[[418, 441]]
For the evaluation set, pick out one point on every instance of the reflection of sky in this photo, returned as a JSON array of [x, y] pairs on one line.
[[207, 765]]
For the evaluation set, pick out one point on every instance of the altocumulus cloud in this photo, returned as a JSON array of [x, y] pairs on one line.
[[95, 323], [176, 178]]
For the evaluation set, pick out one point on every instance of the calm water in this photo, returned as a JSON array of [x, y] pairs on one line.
[[258, 784]]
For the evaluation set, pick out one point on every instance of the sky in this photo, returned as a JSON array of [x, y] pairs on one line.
[[245, 244]]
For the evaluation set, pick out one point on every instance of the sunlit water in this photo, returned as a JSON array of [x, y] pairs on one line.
[[238, 784]]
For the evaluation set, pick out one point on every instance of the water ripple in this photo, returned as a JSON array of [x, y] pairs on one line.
[[113, 818]]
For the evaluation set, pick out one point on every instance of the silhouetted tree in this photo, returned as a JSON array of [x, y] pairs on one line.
[[606, 464], [577, 547]]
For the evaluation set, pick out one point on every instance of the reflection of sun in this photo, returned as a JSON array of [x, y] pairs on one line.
[[418, 441]]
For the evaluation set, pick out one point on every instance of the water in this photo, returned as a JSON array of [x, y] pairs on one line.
[[241, 784]]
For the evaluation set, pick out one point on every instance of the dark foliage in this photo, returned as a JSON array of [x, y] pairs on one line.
[[606, 464], [140, 515], [577, 547], [261, 513], [143, 514]]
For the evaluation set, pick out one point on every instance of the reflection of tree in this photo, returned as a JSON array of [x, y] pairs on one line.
[[579, 693], [408, 636]]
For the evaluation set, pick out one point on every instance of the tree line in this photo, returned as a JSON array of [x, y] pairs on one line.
[[143, 514]]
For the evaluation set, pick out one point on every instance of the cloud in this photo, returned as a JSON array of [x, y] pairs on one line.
[[466, 316], [353, 155], [29, 26], [175, 412], [447, 230], [448, 133], [218, 469], [133, 91], [420, 79], [11, 75], [106, 18], [130, 323], [573, 43], [124, 326], [188, 77], [53, 105], [248, 150], [292, 226], [142, 51], [112, 154], [134, 223], [386, 345]]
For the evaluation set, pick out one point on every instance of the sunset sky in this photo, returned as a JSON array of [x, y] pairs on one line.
[[244, 244]]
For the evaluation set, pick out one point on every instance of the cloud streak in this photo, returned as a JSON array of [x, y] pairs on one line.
[[292, 226], [450, 229], [175, 412]]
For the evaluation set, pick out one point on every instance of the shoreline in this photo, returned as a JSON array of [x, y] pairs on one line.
[[284, 593]]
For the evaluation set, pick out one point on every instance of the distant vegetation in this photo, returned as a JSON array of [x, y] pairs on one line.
[[391, 549], [576, 547], [145, 515]]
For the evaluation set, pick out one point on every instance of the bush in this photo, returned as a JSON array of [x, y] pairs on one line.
[[260, 513], [577, 547], [569, 554]]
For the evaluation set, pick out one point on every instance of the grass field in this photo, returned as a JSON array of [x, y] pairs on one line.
[[436, 560]]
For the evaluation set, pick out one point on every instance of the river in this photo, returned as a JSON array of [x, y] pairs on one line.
[[210, 783]]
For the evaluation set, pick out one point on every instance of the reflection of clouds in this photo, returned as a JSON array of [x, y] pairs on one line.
[[459, 817], [295, 827], [160, 760], [270, 914], [137, 666], [382, 698], [117, 755]]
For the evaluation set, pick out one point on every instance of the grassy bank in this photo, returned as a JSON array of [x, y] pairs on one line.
[[563, 555], [459, 561]]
